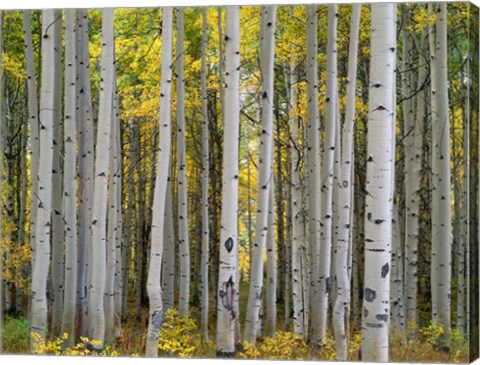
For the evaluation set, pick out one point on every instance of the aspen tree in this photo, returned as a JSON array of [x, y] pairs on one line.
[[441, 195], [378, 201], [227, 278], [168, 263], [297, 205], [70, 174], [85, 169], [57, 229], [33, 124], [313, 164], [342, 302], [99, 212], [271, 305], [412, 227], [265, 173], [326, 214], [43, 223], [154, 288], [205, 175], [184, 245]]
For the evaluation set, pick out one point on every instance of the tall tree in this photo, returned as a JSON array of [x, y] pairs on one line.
[[313, 163], [85, 169], [99, 213], [154, 288], [42, 225], [342, 302], [70, 174], [326, 214], [265, 173], [380, 174], [205, 175], [441, 195], [227, 278], [184, 245], [57, 229]]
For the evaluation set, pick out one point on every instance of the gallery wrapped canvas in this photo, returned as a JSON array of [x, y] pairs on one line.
[[283, 182]]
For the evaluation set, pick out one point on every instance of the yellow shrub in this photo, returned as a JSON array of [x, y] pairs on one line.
[[285, 346], [178, 335]]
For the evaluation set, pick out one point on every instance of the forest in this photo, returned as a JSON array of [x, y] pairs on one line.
[[256, 182]]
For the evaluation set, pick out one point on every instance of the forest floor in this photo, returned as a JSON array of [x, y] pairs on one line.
[[182, 338]]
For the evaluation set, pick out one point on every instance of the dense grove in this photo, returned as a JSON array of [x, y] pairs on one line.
[[259, 182]]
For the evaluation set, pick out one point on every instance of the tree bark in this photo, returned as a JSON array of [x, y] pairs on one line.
[[154, 288], [42, 225], [265, 173], [227, 278], [99, 212], [205, 176], [184, 245], [441, 199], [346, 188], [380, 174], [70, 175]]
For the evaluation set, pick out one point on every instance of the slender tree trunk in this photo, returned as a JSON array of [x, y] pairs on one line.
[[441, 202], [111, 225], [154, 288], [413, 194], [227, 278], [85, 170], [342, 303], [326, 213], [205, 170], [42, 225], [99, 213], [184, 245], [271, 301], [168, 264], [297, 211], [265, 173], [57, 229], [118, 168], [34, 131], [313, 163], [380, 174], [70, 174]]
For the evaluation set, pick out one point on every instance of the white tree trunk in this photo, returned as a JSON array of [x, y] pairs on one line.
[[313, 163], [412, 226], [326, 213], [57, 229], [154, 288], [99, 213], [85, 169], [205, 169], [70, 175], [42, 226], [265, 173], [380, 173], [297, 210], [118, 168], [184, 245], [33, 120], [112, 221], [227, 278], [168, 262], [441, 195], [271, 305], [342, 303]]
